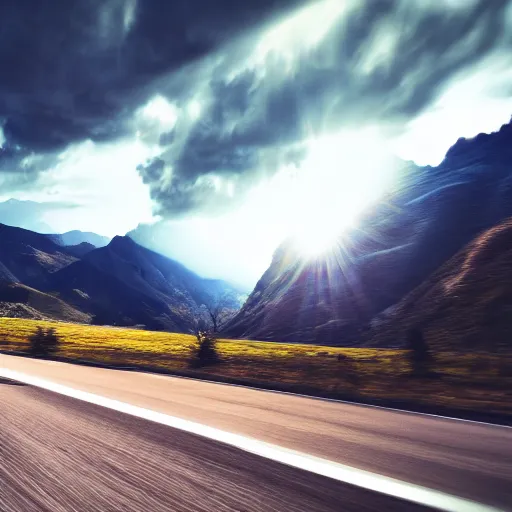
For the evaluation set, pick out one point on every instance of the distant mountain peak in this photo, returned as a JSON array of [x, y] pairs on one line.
[[77, 237], [122, 244], [122, 240]]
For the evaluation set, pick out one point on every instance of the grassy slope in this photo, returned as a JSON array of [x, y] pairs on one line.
[[466, 380]]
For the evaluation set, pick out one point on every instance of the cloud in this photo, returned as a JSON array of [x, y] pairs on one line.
[[75, 71], [226, 94], [385, 63], [31, 215]]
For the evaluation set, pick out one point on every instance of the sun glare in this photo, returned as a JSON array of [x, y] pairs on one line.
[[314, 239], [338, 179]]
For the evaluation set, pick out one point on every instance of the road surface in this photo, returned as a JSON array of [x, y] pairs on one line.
[[59, 455], [86, 452]]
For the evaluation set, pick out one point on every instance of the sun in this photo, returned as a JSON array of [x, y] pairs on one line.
[[317, 223], [341, 176], [314, 242]]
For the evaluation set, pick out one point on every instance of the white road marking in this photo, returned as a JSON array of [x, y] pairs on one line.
[[353, 476]]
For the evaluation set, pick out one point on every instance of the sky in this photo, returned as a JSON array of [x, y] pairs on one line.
[[213, 130]]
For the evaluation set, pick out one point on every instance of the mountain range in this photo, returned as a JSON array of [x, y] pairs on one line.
[[121, 283], [398, 244], [26, 214], [434, 253]]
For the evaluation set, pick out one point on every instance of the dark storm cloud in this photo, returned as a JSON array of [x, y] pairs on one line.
[[74, 70], [255, 120], [152, 171]]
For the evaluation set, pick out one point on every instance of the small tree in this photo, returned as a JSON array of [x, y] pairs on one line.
[[220, 310], [43, 342], [205, 352], [419, 353]]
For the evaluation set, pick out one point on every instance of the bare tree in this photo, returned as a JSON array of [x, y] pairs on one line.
[[204, 351], [220, 310]]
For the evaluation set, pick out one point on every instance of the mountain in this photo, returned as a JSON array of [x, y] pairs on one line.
[[127, 284], [466, 304], [27, 261], [201, 253], [121, 283], [432, 213], [30, 258], [79, 237], [26, 214], [81, 249]]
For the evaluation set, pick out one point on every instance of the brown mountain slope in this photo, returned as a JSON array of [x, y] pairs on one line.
[[29, 257], [20, 301], [465, 305]]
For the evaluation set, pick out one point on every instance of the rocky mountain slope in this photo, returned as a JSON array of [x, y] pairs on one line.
[[20, 301], [30, 258], [465, 305], [432, 213]]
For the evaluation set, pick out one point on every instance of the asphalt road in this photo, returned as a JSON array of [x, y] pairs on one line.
[[59, 452]]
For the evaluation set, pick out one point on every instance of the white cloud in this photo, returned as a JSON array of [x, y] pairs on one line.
[[104, 184], [160, 110], [194, 108], [474, 101], [301, 31]]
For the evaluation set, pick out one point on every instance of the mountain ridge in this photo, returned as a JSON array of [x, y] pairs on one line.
[[121, 283]]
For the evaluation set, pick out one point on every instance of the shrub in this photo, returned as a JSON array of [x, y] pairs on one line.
[[349, 370], [419, 353], [205, 351], [43, 342]]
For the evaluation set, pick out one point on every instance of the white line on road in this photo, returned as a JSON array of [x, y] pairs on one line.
[[353, 476]]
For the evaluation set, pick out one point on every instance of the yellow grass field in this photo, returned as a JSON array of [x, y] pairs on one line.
[[466, 381]]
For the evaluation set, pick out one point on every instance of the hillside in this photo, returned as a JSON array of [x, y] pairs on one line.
[[29, 257], [465, 305], [81, 249], [429, 216], [126, 284], [121, 283], [20, 301]]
